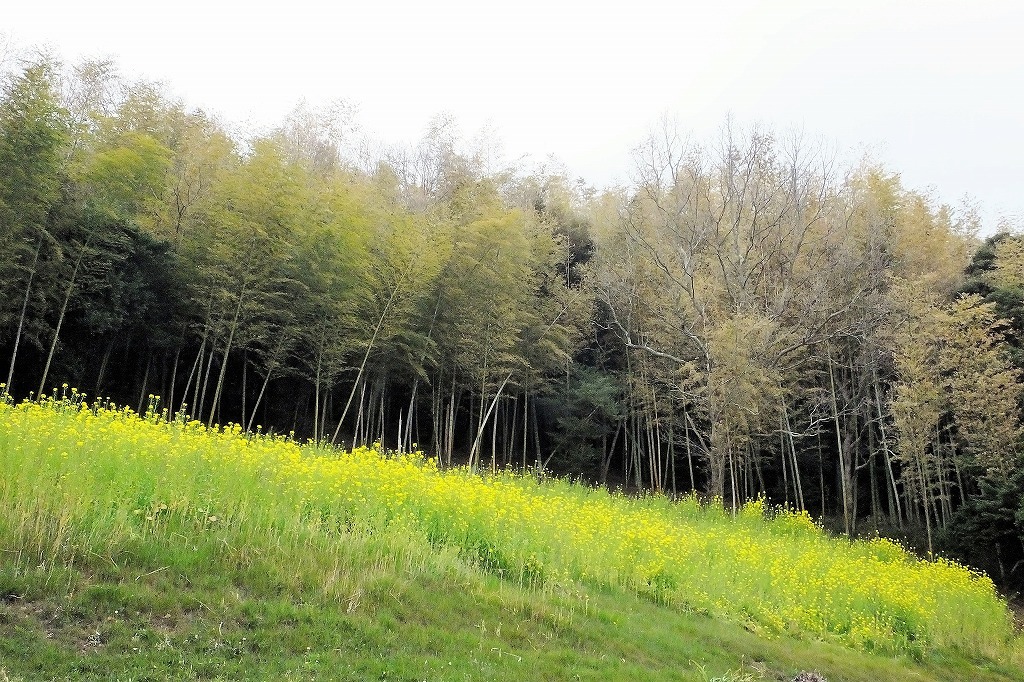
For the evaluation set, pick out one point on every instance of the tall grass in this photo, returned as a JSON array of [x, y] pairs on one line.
[[95, 485]]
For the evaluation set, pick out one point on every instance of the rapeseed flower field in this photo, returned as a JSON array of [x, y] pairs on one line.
[[83, 481]]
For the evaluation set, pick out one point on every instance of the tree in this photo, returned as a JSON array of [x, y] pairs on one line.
[[726, 251], [244, 256], [33, 136]]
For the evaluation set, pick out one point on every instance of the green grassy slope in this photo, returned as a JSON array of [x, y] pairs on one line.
[[434, 624], [134, 549]]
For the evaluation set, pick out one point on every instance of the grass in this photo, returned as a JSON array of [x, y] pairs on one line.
[[135, 548]]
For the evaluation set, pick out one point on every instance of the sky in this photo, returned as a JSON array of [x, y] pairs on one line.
[[933, 89]]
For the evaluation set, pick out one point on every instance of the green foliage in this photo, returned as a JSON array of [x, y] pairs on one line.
[[585, 409], [988, 531], [33, 132], [33, 137], [123, 177]]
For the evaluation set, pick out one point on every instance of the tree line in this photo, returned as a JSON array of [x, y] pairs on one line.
[[747, 317]]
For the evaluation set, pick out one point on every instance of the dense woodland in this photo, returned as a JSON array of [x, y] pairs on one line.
[[746, 318]]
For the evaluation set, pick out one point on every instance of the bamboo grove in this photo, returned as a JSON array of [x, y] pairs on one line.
[[747, 318]]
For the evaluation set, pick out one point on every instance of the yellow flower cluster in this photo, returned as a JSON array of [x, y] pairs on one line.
[[68, 464]]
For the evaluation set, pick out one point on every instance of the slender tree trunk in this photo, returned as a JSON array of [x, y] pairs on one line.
[[506, 437], [362, 365], [511, 440], [798, 489], [227, 353], [321, 434], [63, 311], [930, 497], [470, 422], [732, 473], [652, 463], [410, 418], [206, 382], [316, 392], [295, 416], [689, 451], [436, 417], [474, 451], [358, 435], [382, 421], [259, 397], [370, 418], [526, 416], [784, 457], [21, 318], [946, 484], [924, 504], [494, 442], [174, 377], [103, 366], [959, 481], [636, 462], [671, 451], [888, 454], [607, 462], [145, 384], [821, 475], [839, 445], [876, 502], [536, 437], [656, 451], [758, 469], [451, 426], [245, 385], [197, 367], [627, 451]]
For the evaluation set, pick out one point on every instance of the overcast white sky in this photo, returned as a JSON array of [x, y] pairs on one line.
[[935, 89]]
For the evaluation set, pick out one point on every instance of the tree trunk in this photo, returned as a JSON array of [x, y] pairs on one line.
[[671, 453], [60, 317], [839, 444], [206, 382], [888, 454], [145, 384], [316, 391], [245, 385], [511, 440], [227, 353], [362, 365], [451, 425], [358, 434], [821, 475], [924, 504], [783, 458], [526, 426], [21, 318], [536, 436], [405, 435], [383, 390], [259, 398], [197, 367], [607, 461], [494, 440], [474, 451], [799, 489], [103, 367], [174, 377]]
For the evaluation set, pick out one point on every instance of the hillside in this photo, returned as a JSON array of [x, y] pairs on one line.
[[139, 548], [748, 317]]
